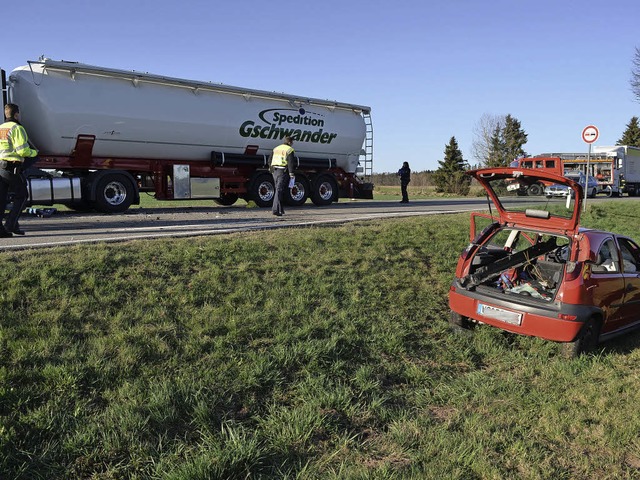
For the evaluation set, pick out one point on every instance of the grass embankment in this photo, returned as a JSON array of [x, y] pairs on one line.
[[316, 353]]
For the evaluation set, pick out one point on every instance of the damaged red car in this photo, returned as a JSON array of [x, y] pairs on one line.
[[531, 269]]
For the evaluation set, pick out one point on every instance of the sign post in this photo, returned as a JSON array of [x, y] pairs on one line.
[[589, 135]]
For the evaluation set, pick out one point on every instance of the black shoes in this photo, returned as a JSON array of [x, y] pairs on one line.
[[277, 214], [17, 231]]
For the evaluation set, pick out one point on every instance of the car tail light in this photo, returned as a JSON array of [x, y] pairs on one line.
[[564, 316], [572, 270], [465, 253]]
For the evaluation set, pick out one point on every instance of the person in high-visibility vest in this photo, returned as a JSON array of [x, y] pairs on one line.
[[14, 148], [282, 171]]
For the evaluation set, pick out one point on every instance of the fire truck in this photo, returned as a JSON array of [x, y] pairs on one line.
[[524, 186], [616, 168], [105, 136]]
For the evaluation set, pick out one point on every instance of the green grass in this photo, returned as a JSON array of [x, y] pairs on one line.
[[314, 353]]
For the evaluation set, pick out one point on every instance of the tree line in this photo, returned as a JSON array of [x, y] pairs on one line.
[[498, 140]]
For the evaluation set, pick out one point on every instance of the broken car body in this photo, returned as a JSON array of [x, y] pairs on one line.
[[531, 269]]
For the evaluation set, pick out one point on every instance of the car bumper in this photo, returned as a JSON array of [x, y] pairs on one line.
[[543, 322]]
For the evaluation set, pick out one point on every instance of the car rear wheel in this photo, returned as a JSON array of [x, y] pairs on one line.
[[458, 321], [586, 341]]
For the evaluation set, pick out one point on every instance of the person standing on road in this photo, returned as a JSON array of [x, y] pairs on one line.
[[14, 148], [282, 170], [405, 177]]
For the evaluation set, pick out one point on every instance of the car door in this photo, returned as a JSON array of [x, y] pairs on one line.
[[607, 287], [630, 265]]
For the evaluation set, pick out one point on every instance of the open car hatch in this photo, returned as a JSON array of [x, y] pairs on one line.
[[508, 188]]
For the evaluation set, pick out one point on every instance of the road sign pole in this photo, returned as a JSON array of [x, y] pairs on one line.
[[590, 134], [586, 179]]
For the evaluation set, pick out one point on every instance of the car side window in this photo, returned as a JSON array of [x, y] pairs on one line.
[[630, 255], [607, 258]]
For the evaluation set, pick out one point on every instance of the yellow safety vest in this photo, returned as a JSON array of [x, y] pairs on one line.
[[14, 143], [280, 154]]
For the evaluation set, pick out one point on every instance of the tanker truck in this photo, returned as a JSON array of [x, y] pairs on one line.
[[105, 136]]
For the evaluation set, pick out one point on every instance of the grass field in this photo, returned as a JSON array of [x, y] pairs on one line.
[[313, 353]]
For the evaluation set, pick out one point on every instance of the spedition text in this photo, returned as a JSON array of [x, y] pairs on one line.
[[271, 132]]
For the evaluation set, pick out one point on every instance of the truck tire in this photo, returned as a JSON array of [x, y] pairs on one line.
[[299, 194], [535, 190], [114, 193], [227, 199], [262, 190], [324, 190]]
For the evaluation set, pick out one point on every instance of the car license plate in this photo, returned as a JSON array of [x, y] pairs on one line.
[[499, 314]]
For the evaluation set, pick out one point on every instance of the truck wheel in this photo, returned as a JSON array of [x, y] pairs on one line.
[[227, 199], [297, 195], [114, 193], [263, 190], [535, 190], [586, 340], [608, 191], [325, 190]]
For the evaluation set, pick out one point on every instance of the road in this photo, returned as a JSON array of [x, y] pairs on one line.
[[69, 228]]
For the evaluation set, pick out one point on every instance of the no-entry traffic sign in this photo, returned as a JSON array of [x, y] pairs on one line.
[[590, 134]]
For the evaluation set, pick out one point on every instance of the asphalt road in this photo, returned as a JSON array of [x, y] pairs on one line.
[[69, 228]]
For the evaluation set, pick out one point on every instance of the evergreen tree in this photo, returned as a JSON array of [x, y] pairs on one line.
[[450, 177], [506, 143], [514, 137], [631, 135], [496, 149]]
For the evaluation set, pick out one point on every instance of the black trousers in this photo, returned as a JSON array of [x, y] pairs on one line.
[[281, 181], [403, 188], [14, 182]]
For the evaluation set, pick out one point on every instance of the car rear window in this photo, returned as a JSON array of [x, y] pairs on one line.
[[522, 192]]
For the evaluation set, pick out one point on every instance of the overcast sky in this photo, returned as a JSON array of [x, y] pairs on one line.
[[428, 69]]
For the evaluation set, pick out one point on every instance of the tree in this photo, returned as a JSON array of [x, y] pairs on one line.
[[495, 156], [450, 177], [635, 74], [498, 140], [631, 135], [483, 132], [514, 138]]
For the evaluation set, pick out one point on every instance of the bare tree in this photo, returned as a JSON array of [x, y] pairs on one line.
[[483, 132], [635, 75]]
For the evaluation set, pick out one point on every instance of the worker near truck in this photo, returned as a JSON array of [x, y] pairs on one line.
[[14, 149], [282, 170]]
